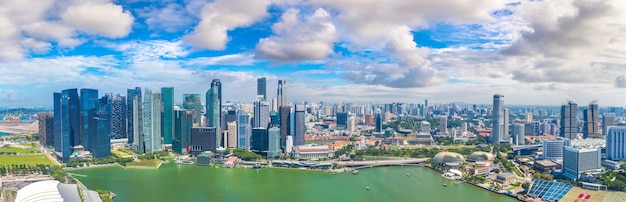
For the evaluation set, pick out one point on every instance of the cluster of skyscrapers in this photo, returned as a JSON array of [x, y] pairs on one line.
[[151, 121]]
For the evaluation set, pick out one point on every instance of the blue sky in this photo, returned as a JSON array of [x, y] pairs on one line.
[[369, 51]]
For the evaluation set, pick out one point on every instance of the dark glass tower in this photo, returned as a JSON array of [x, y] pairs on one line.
[[299, 127], [133, 114], [167, 117], [101, 141], [66, 123], [192, 103], [88, 105], [258, 141], [213, 112], [118, 115], [285, 117], [182, 129], [569, 122], [46, 129], [261, 88]]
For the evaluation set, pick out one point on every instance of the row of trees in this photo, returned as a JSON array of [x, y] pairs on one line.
[[415, 123], [614, 180], [24, 169], [246, 155], [98, 161]]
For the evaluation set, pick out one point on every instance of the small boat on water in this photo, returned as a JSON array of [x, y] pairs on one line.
[[407, 174], [445, 185], [256, 167], [458, 182], [355, 171], [368, 188]]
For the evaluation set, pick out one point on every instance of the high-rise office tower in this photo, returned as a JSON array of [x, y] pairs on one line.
[[232, 134], [616, 142], [608, 120], [425, 127], [258, 141], [261, 114], [576, 161], [285, 126], [167, 116], [443, 125], [203, 139], [244, 130], [590, 116], [183, 122], [281, 95], [261, 87], [100, 135], [192, 103], [569, 123], [46, 129], [89, 103], [498, 115], [518, 134], [134, 116], [152, 121], [506, 136], [342, 120], [117, 115], [274, 105], [213, 112], [273, 144], [299, 124], [66, 126], [379, 123], [529, 117]]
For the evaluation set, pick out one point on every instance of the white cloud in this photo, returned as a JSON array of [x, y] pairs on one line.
[[221, 16], [297, 40], [620, 82], [239, 59], [149, 49], [39, 25], [563, 40], [107, 20]]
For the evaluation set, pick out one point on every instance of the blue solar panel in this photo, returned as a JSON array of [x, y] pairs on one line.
[[549, 190]]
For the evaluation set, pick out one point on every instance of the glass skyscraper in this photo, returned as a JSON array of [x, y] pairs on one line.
[[152, 121], [261, 114], [213, 111], [273, 139], [498, 119], [192, 103], [118, 115], [182, 129], [261, 88], [89, 103], [590, 116], [168, 114], [243, 130], [299, 127], [569, 123], [101, 141], [258, 141], [133, 115]]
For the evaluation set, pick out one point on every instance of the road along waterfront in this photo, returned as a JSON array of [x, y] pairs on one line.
[[197, 183]]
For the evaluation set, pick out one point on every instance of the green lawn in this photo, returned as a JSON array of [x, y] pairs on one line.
[[120, 153], [29, 160], [30, 150], [145, 163]]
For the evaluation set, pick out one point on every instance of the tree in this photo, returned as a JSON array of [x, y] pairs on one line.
[[495, 170]]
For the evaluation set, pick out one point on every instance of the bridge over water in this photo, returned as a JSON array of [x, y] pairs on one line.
[[367, 164]]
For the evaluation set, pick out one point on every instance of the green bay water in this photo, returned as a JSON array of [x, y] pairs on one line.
[[198, 183]]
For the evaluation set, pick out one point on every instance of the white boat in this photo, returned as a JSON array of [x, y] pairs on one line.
[[355, 172]]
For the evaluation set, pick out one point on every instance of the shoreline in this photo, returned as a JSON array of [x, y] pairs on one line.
[[476, 185]]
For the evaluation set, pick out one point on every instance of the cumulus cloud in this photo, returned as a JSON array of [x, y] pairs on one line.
[[171, 17], [563, 39], [40, 25], [298, 40], [620, 82], [221, 16], [107, 20]]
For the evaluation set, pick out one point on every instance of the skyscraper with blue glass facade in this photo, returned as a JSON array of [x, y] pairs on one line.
[[182, 131], [66, 123], [244, 130], [152, 121], [213, 111], [101, 141], [167, 117], [89, 103], [134, 117]]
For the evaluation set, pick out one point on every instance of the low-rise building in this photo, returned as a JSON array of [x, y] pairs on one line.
[[205, 158], [546, 165], [506, 178], [312, 152], [480, 169], [615, 165], [231, 162]]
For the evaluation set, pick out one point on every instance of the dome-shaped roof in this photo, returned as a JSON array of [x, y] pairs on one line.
[[480, 156], [448, 157]]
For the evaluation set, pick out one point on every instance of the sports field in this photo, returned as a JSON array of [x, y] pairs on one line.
[[25, 159]]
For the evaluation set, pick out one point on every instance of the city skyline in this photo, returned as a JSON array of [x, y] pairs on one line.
[[355, 52]]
